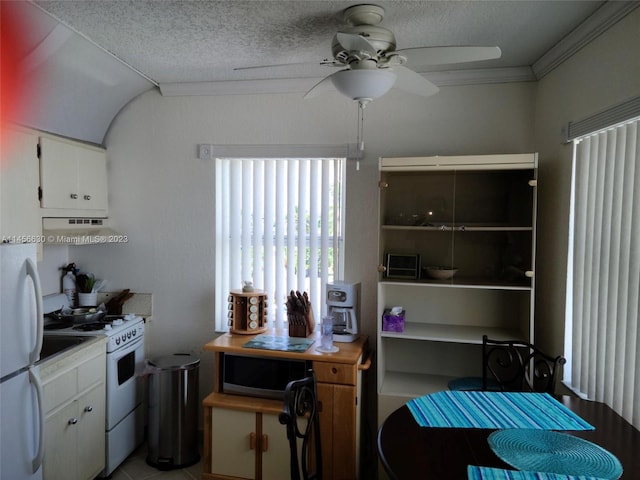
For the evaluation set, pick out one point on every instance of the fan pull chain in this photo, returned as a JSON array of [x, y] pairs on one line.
[[360, 134]]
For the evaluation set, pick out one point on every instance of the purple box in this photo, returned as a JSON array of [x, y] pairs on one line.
[[392, 323]]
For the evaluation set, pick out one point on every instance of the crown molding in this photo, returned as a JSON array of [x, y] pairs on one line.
[[599, 22]]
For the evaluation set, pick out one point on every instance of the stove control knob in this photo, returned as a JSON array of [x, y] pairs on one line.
[[128, 334], [124, 337], [134, 333], [117, 340]]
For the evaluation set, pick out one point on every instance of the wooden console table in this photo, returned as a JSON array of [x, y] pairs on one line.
[[242, 436]]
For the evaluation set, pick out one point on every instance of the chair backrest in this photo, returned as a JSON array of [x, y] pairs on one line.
[[300, 416], [514, 365]]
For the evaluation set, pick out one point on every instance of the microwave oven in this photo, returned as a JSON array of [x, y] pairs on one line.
[[258, 376]]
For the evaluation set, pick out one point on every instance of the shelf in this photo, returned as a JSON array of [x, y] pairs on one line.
[[452, 333], [458, 282], [480, 219], [412, 385]]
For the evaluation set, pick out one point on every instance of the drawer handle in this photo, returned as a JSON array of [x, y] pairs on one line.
[[252, 441], [334, 370], [265, 442], [73, 421], [88, 408], [74, 196], [87, 197]]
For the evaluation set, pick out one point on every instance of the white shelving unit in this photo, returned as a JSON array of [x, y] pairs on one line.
[[474, 213]]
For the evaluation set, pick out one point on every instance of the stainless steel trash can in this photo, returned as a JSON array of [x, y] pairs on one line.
[[173, 412]]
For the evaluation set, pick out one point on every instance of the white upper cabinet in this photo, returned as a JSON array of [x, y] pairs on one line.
[[73, 178]]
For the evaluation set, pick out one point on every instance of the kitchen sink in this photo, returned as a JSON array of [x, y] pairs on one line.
[[56, 344]]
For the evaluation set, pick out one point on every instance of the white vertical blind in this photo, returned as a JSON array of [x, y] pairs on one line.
[[278, 225], [604, 280]]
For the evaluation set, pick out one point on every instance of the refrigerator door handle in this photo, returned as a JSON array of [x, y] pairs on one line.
[[32, 271], [34, 378]]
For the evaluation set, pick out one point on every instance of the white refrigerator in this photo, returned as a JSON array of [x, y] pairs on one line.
[[21, 322]]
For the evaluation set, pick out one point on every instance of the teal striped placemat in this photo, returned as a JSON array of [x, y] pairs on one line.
[[494, 410], [486, 473]]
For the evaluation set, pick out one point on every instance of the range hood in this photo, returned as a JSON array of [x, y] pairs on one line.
[[79, 231]]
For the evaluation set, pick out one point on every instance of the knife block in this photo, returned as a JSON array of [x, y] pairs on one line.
[[299, 330], [247, 312]]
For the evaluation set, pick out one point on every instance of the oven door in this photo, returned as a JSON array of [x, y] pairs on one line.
[[124, 387]]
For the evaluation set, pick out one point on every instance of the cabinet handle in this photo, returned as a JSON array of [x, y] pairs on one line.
[[367, 362], [73, 421], [88, 408], [252, 441], [74, 196], [265, 442], [533, 183], [87, 197], [528, 274]]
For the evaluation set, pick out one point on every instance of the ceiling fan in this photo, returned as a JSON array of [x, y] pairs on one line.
[[374, 66]]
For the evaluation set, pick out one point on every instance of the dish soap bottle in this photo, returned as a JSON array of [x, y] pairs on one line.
[[69, 283]]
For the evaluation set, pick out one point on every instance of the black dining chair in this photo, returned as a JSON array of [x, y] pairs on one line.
[[515, 365], [300, 416], [512, 365]]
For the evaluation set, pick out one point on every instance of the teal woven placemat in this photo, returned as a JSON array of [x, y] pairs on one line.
[[494, 410], [283, 344], [553, 452], [487, 473]]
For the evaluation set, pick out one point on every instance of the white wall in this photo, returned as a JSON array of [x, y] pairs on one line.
[[161, 194], [603, 74]]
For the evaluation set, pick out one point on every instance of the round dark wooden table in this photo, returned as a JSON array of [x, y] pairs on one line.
[[408, 451]]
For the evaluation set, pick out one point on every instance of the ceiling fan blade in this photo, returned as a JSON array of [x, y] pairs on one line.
[[327, 63], [323, 86], [423, 56], [353, 42], [412, 82]]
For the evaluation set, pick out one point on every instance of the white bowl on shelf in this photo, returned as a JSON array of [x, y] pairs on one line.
[[441, 273]]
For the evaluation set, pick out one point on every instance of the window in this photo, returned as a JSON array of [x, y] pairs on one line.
[[601, 330], [279, 224]]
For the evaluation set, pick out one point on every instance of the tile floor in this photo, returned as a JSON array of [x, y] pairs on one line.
[[136, 468]]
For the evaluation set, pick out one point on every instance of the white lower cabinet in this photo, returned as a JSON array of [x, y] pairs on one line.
[[74, 398], [248, 445]]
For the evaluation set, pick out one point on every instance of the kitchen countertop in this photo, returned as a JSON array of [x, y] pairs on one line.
[[55, 363]]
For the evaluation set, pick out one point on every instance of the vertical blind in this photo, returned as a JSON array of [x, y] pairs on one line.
[[604, 276], [279, 225]]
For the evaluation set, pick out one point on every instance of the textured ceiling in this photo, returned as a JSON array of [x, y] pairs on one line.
[[203, 41]]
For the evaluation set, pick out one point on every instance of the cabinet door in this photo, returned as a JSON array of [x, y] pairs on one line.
[[232, 449], [60, 444], [72, 175], [91, 437], [20, 209], [275, 454], [92, 180], [58, 173], [326, 406]]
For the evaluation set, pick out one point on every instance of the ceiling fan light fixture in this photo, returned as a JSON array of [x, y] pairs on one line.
[[363, 85]]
